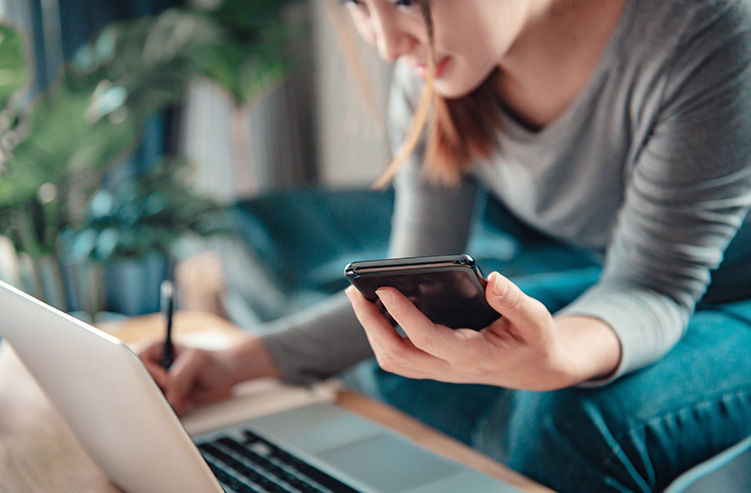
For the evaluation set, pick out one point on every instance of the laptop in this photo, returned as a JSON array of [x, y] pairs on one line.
[[122, 420]]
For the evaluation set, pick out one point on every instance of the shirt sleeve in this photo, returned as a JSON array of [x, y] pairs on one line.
[[317, 343], [688, 193]]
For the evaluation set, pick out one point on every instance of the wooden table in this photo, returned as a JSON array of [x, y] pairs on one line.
[[38, 453]]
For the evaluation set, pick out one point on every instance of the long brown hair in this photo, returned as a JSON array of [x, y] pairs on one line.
[[459, 130]]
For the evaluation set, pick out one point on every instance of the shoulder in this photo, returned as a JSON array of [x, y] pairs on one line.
[[679, 50], [699, 24], [664, 26], [714, 23], [714, 53]]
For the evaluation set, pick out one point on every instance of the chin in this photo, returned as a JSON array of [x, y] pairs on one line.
[[456, 92], [458, 89]]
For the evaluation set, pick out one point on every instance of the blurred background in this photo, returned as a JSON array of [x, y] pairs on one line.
[[142, 140]]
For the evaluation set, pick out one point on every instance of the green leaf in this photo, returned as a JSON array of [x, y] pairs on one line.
[[253, 54], [246, 17], [151, 214], [61, 142], [14, 66], [92, 117]]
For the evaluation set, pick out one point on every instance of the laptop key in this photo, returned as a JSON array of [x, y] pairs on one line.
[[260, 455], [276, 454], [230, 483], [268, 467], [254, 477]]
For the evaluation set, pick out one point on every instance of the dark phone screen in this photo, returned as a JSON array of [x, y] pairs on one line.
[[451, 296]]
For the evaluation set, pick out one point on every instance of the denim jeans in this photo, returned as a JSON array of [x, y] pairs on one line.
[[636, 434]]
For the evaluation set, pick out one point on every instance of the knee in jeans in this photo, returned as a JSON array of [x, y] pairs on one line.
[[558, 438]]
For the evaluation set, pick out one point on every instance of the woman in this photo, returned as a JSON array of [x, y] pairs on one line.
[[621, 128]]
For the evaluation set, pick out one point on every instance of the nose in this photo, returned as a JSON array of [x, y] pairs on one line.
[[392, 40]]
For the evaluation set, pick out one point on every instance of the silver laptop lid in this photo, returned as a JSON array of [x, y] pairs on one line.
[[101, 389]]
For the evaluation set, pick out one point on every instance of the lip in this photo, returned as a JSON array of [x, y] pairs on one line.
[[422, 70]]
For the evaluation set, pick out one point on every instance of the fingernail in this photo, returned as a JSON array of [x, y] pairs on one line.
[[384, 295], [499, 288], [349, 292]]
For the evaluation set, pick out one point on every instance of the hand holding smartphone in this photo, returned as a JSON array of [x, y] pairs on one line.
[[448, 289]]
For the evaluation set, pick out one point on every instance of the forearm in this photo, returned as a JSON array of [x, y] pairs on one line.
[[316, 343], [250, 360]]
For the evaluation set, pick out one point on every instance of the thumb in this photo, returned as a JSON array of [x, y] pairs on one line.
[[507, 299]]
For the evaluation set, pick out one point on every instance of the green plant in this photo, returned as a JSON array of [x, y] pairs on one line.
[[135, 218], [13, 63], [55, 152], [60, 147], [252, 52]]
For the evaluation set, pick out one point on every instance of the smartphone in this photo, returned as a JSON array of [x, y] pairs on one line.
[[448, 289]]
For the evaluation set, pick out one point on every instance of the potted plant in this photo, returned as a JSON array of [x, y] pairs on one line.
[[54, 154], [146, 220], [56, 151]]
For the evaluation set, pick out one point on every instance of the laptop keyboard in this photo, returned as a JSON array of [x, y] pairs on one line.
[[257, 465]]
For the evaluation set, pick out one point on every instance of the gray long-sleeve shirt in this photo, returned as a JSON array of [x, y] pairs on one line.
[[649, 168]]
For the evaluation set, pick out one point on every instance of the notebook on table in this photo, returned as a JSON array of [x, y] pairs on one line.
[[122, 420]]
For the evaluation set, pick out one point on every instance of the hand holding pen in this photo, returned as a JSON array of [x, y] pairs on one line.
[[168, 309], [201, 375]]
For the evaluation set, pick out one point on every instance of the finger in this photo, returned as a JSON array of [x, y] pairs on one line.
[[184, 375], [376, 325], [151, 352], [521, 310], [393, 352], [434, 339], [150, 357], [210, 395], [158, 373]]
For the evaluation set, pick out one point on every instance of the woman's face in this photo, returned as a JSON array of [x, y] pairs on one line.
[[471, 37]]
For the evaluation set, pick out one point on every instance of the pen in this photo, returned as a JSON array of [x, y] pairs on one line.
[[168, 309]]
